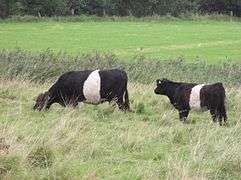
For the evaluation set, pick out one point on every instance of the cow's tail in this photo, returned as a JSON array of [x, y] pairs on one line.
[[126, 101]]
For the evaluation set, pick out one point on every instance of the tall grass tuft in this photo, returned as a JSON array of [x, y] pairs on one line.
[[47, 65], [41, 157]]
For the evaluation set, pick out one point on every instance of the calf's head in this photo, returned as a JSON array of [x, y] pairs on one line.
[[41, 101], [161, 86]]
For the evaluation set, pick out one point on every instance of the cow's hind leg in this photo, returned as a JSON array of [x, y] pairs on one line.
[[213, 113], [126, 101], [123, 100], [222, 115], [120, 103], [220, 119]]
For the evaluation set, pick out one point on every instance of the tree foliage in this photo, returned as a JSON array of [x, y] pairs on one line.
[[136, 8]]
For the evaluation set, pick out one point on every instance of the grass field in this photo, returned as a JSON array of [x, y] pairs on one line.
[[100, 142], [208, 40]]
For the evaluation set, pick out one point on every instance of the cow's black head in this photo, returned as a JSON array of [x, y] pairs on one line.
[[161, 86], [41, 101]]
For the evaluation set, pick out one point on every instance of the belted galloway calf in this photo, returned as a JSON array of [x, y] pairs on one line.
[[187, 96], [89, 86]]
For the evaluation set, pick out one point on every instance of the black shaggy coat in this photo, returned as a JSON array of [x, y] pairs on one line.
[[68, 90], [211, 97]]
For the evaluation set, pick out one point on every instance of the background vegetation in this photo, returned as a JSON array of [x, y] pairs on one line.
[[47, 65], [117, 7]]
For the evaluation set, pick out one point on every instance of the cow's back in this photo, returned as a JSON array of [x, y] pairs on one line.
[[212, 94], [70, 83], [112, 81], [90, 86]]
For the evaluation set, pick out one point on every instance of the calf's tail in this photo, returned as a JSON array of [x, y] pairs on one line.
[[221, 106]]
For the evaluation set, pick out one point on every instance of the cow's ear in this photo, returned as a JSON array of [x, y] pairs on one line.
[[164, 80]]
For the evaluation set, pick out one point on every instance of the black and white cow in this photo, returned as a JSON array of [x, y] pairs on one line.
[[187, 96], [88, 86]]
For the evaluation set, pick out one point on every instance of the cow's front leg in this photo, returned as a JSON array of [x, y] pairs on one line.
[[73, 102], [183, 114]]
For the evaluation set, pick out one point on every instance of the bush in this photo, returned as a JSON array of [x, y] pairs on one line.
[[47, 65], [137, 8], [93, 18]]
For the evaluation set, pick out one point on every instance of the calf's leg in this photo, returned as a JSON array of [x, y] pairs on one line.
[[183, 114], [222, 115], [213, 113]]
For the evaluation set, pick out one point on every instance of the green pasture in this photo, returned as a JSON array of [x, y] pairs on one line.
[[100, 142], [213, 41]]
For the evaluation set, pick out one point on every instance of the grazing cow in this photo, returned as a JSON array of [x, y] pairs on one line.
[[187, 96], [88, 86]]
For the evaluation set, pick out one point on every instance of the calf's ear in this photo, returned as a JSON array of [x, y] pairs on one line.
[[159, 81], [35, 98]]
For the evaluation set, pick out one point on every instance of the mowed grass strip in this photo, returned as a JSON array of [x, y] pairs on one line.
[[209, 40]]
